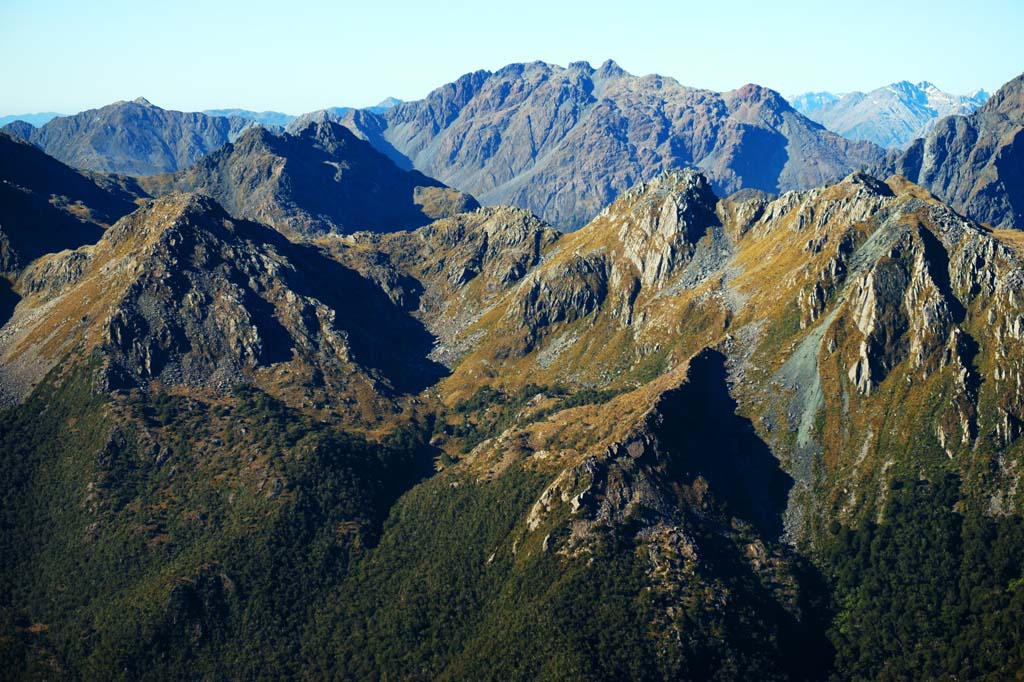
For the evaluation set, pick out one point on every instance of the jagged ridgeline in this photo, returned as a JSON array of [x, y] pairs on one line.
[[699, 438]]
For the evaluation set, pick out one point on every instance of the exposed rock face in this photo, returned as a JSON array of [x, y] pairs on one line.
[[836, 309], [565, 142], [975, 163], [320, 180], [891, 116], [46, 206], [133, 138]]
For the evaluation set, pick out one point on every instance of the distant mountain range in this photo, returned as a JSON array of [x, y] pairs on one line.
[[134, 138], [974, 163], [35, 120], [890, 116], [268, 118], [564, 142]]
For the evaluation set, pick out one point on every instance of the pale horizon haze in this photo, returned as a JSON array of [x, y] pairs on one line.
[[69, 56]]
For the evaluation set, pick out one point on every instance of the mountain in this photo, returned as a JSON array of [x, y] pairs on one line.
[[975, 163], [322, 179], [891, 116], [268, 118], [338, 114], [811, 102], [564, 142], [132, 138], [34, 120], [699, 438], [46, 206], [331, 115], [384, 105]]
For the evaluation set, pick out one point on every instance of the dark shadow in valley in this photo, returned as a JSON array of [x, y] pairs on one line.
[[8, 301], [381, 335], [707, 438], [938, 259]]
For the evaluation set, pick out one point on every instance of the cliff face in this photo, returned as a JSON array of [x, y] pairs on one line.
[[975, 163], [565, 142]]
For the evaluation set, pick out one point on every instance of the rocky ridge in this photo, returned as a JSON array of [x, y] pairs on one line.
[[564, 142], [322, 179]]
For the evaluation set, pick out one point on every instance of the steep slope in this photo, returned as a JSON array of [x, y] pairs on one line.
[[696, 439], [975, 163], [322, 179], [181, 294], [831, 366], [133, 138], [891, 116], [47, 207], [564, 142]]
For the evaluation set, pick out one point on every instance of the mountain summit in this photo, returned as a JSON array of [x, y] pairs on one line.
[[564, 142], [975, 163]]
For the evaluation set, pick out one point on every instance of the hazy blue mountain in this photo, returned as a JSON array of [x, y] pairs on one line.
[[384, 105], [891, 116], [974, 163], [132, 138], [35, 119], [270, 118]]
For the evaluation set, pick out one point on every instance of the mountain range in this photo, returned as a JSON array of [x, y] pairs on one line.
[[563, 142], [300, 411], [890, 116], [34, 120]]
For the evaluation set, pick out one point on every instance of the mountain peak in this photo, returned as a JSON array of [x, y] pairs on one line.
[[610, 69], [387, 103], [144, 102]]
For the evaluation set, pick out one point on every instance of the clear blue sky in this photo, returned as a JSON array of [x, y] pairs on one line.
[[302, 55]]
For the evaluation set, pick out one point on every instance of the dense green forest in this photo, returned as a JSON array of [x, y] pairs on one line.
[[287, 548]]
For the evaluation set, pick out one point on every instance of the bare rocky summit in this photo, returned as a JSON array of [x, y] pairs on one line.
[[564, 142]]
